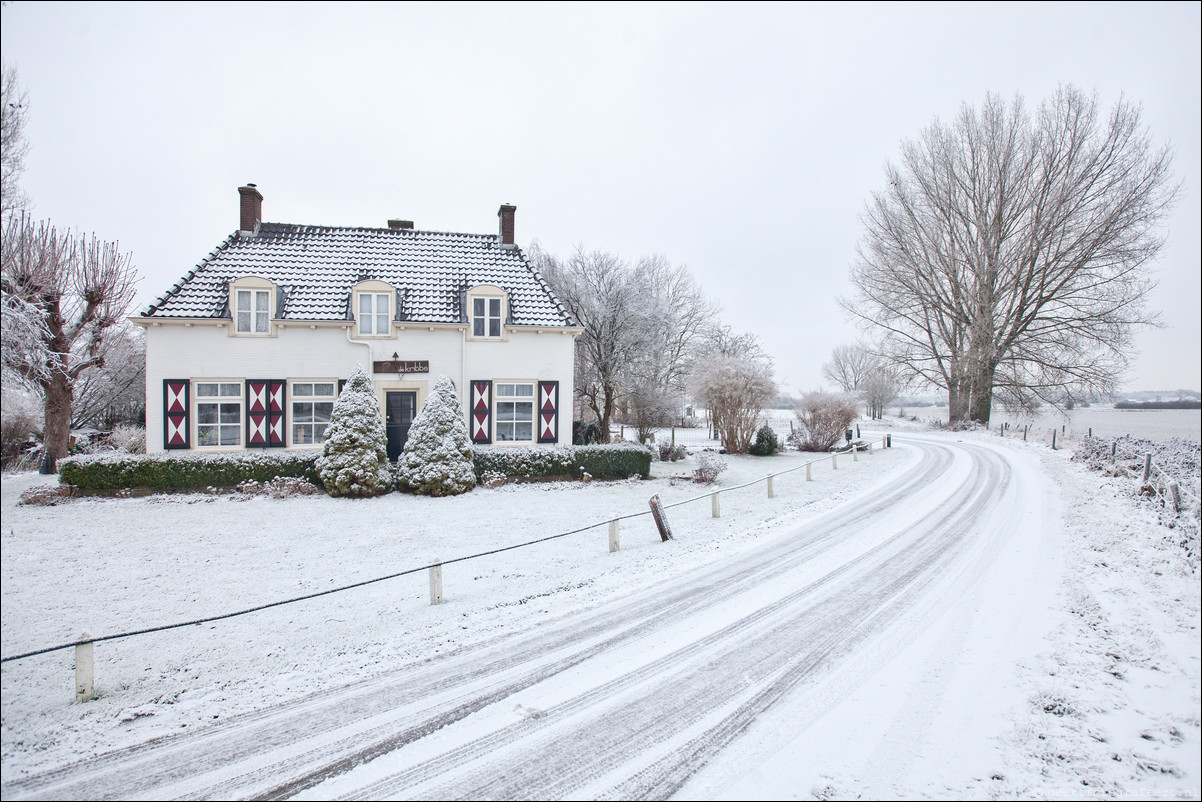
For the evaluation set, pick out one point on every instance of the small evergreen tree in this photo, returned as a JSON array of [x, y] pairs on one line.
[[437, 458], [766, 442], [354, 458]]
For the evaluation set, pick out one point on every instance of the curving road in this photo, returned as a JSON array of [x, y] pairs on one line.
[[632, 700]]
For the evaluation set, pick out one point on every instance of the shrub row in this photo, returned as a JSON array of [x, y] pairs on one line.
[[615, 461], [187, 470], [191, 470]]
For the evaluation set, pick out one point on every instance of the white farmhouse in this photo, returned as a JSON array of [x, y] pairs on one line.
[[248, 350]]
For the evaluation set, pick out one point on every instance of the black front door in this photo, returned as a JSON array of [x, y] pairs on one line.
[[400, 409]]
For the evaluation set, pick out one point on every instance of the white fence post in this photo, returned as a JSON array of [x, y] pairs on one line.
[[870, 448], [771, 492], [613, 536], [835, 460], [855, 454], [436, 582], [85, 670], [715, 506], [809, 476]]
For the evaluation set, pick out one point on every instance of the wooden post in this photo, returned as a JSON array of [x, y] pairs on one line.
[[809, 476], [835, 460], [1053, 439], [436, 582], [1090, 432], [715, 506], [771, 494], [85, 670], [613, 536], [1025, 432], [661, 521], [673, 435], [1147, 468], [888, 441], [1175, 497]]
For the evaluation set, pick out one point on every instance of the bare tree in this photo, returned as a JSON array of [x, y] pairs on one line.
[[849, 365], [604, 297], [114, 392], [14, 112], [83, 287], [735, 390], [1008, 257], [880, 386]]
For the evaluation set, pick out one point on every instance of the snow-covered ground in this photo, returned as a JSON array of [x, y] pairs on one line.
[[1096, 693]]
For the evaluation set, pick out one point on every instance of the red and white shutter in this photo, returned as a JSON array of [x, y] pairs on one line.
[[175, 413], [548, 412], [265, 413], [481, 413]]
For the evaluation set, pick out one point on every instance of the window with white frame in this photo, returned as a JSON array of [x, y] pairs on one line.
[[253, 312], [312, 404], [515, 412], [374, 313], [218, 413], [486, 317]]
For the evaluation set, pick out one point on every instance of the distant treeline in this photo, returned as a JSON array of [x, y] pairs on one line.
[[1184, 403]]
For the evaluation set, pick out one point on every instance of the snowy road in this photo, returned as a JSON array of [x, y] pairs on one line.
[[679, 687]]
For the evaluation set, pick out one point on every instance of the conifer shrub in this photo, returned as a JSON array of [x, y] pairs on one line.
[[354, 457], [437, 458], [766, 442]]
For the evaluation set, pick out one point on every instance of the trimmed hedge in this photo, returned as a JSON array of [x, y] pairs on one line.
[[192, 470], [189, 470], [615, 461]]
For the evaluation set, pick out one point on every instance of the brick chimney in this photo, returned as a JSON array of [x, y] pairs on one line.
[[506, 214], [403, 224], [251, 208]]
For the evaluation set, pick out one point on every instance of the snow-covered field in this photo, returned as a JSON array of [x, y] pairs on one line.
[[1103, 421], [1100, 698]]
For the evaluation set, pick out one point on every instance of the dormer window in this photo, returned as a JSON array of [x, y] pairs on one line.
[[486, 317], [375, 312], [252, 313], [486, 305], [252, 307]]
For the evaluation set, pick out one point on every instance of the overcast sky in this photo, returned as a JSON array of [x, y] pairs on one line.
[[739, 140]]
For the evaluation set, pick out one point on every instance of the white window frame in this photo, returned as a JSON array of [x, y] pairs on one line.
[[501, 399], [487, 307], [229, 395], [295, 420], [373, 322], [258, 321]]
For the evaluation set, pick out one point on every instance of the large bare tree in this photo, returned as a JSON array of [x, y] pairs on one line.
[[1008, 257], [82, 288]]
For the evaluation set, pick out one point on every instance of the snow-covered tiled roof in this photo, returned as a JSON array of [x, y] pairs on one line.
[[316, 266]]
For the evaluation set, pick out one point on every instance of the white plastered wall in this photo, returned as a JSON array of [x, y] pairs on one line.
[[296, 351]]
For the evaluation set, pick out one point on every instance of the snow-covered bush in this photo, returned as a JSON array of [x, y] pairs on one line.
[[437, 458], [130, 439], [823, 419], [766, 442], [708, 467], [354, 457], [666, 452], [184, 470], [611, 461]]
